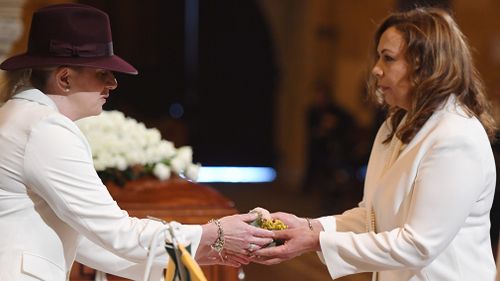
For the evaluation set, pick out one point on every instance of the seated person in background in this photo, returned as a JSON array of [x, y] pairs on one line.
[[431, 174], [329, 142], [53, 206]]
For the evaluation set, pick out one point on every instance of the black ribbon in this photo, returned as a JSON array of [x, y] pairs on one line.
[[64, 49]]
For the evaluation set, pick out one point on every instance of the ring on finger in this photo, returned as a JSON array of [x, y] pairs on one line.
[[252, 247]]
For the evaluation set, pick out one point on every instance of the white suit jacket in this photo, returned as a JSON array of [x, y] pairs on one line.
[[53, 206], [429, 205]]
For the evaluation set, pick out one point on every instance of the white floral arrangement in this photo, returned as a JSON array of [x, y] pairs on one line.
[[124, 149]]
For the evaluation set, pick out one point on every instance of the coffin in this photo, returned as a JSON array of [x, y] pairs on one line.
[[175, 199]]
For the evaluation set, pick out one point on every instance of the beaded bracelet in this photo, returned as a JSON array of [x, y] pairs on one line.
[[218, 245]]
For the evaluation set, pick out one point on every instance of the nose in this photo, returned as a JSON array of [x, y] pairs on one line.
[[377, 71], [111, 82]]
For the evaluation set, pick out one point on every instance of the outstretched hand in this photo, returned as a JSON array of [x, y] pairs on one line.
[[298, 239], [291, 220], [240, 240], [225, 258], [240, 235]]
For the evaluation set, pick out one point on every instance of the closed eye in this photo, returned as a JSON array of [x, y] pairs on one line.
[[103, 74], [387, 58]]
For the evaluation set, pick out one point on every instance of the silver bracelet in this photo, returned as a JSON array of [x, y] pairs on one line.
[[309, 224], [218, 245]]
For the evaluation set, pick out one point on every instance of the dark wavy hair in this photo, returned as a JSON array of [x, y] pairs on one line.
[[440, 65]]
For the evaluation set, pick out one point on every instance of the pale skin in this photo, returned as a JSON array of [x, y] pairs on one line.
[[238, 234], [299, 239], [391, 72], [81, 92]]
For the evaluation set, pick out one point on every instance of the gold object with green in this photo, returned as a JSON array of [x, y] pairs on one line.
[[272, 224]]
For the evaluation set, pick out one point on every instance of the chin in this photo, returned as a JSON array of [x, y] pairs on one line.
[[95, 112], [389, 101]]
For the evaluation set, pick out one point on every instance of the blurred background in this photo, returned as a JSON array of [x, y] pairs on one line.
[[265, 83]]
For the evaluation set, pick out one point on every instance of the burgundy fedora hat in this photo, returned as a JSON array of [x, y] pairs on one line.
[[69, 34]]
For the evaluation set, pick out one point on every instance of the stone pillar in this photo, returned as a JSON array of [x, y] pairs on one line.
[[11, 25], [15, 21]]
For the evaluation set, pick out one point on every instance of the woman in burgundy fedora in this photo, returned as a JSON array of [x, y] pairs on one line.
[[53, 206]]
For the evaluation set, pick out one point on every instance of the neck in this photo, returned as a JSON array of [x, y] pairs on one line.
[[65, 107]]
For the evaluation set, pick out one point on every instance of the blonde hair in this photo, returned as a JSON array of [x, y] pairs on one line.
[[440, 65], [13, 81]]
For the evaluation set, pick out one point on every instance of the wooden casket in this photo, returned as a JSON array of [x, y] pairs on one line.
[[175, 199]]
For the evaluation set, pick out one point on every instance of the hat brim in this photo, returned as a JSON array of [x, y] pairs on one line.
[[112, 63]]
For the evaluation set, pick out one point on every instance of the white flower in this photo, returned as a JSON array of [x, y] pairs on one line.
[[166, 149], [193, 171], [185, 153], [177, 165], [182, 159], [120, 163], [161, 171], [119, 142]]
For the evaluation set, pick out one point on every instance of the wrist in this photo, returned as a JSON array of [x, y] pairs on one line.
[[309, 224], [209, 234], [315, 228], [313, 224], [218, 244], [316, 224], [212, 241], [317, 242]]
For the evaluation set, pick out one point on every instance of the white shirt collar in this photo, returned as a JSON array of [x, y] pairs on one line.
[[35, 95]]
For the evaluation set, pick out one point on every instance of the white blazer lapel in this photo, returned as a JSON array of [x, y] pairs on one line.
[[385, 158]]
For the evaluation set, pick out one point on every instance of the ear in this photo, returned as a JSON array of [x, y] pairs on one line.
[[62, 77]]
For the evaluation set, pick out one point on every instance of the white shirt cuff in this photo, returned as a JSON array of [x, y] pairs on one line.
[[329, 223]]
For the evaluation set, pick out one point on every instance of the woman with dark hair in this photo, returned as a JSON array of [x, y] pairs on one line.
[[53, 206], [431, 175]]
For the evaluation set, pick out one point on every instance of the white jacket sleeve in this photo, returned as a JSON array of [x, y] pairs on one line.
[[453, 168], [96, 257], [351, 220], [58, 167]]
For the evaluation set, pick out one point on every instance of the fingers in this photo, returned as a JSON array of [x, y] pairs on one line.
[[271, 251], [232, 263], [248, 243], [257, 244], [289, 219], [285, 234], [242, 259], [248, 217], [261, 232], [281, 215], [235, 259], [240, 248], [261, 242], [266, 261], [227, 258]]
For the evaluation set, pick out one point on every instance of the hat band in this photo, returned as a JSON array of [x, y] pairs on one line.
[[64, 49]]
